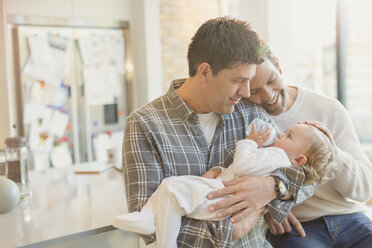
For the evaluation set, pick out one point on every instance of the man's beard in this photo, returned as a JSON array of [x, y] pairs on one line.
[[281, 108]]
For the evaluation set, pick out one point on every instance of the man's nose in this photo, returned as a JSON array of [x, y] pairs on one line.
[[267, 94], [244, 89]]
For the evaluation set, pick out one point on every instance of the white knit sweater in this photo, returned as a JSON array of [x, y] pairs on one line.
[[352, 184]]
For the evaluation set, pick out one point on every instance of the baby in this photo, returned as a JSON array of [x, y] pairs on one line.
[[302, 145]]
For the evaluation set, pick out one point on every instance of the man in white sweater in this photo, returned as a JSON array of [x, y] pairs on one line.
[[333, 216]]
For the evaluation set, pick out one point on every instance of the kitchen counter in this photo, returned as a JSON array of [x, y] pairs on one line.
[[66, 206]]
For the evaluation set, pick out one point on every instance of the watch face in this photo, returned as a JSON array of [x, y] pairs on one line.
[[282, 187]]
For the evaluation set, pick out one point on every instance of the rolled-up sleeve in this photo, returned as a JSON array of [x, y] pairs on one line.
[[293, 177]]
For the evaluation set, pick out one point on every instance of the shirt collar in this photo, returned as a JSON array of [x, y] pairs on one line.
[[183, 110]]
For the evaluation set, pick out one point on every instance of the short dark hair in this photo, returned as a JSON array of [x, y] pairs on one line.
[[223, 42]]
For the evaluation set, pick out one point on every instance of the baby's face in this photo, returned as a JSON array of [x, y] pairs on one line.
[[296, 140]]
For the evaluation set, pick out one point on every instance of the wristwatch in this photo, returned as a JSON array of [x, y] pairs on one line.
[[280, 187]]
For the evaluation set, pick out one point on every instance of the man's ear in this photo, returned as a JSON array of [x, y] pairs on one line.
[[299, 160], [203, 70]]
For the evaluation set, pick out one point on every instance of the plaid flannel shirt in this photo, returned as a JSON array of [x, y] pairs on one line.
[[163, 138]]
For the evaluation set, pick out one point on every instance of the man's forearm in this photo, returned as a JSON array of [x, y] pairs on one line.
[[269, 184]]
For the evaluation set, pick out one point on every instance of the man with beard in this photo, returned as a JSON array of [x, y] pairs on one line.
[[333, 216]]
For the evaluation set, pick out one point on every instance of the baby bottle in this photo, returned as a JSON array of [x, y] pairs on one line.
[[258, 124]]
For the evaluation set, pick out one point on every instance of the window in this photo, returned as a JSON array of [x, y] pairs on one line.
[[359, 69], [314, 35], [310, 59], [314, 39]]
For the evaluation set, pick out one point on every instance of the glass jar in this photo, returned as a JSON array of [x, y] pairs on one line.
[[3, 167], [18, 162]]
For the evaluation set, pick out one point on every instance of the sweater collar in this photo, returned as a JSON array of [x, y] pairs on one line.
[[295, 106]]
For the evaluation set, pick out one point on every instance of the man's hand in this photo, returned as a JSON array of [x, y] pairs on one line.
[[244, 226], [285, 226], [320, 125], [246, 196]]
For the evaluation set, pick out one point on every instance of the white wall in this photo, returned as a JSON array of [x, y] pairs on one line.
[[147, 63], [254, 12], [107, 9], [279, 24], [272, 20], [4, 106]]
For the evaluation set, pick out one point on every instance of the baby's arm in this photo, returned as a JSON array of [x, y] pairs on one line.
[[260, 136]]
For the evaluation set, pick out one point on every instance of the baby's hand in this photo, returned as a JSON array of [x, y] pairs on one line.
[[211, 174], [260, 136]]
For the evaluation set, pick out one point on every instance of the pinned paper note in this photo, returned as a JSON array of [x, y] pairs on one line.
[[60, 96], [31, 112], [58, 123], [102, 84], [49, 58], [40, 138], [92, 49], [101, 143], [116, 53], [60, 156], [39, 48], [39, 93]]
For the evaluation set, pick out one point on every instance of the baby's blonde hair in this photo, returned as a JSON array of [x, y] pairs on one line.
[[320, 158]]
